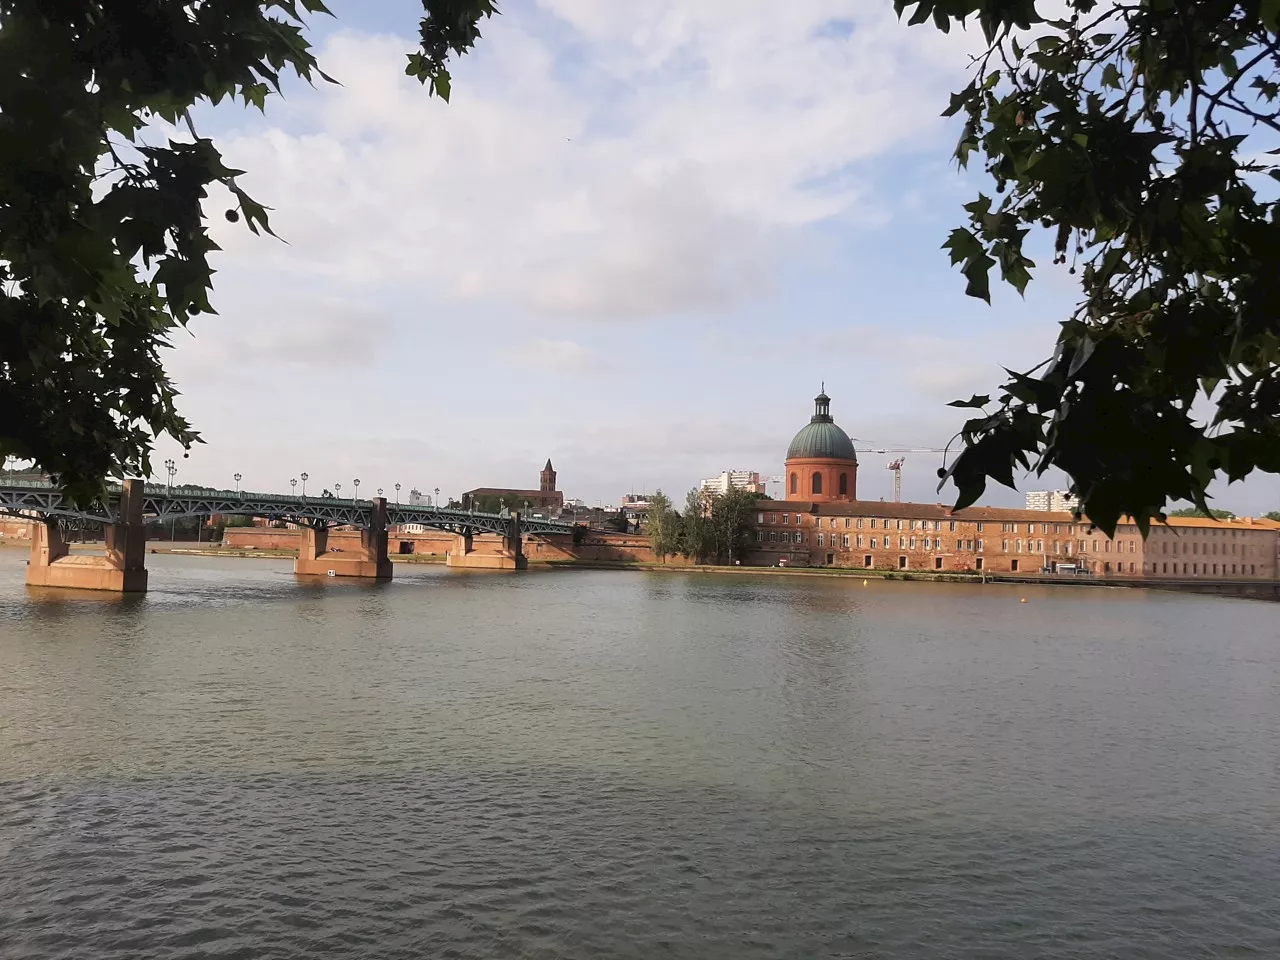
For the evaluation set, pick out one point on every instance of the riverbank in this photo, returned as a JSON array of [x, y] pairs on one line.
[[1244, 589]]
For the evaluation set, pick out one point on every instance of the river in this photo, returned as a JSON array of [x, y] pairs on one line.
[[633, 765]]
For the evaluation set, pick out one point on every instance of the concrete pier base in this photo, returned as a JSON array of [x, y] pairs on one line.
[[369, 561], [510, 557], [122, 570]]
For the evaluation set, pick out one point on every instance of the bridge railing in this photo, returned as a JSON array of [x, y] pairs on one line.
[[165, 502]]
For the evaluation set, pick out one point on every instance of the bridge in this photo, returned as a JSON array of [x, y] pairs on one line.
[[128, 507]]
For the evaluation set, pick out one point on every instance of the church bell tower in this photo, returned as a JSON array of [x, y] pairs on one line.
[[547, 478]]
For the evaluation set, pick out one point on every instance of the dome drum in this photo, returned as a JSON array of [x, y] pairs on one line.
[[821, 461]]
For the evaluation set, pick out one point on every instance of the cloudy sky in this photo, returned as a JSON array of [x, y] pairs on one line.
[[637, 241]]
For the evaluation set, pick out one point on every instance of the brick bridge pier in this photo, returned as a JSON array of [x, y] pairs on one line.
[[123, 569]]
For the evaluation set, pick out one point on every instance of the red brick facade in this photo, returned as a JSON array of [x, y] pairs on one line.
[[598, 545], [930, 537], [820, 525]]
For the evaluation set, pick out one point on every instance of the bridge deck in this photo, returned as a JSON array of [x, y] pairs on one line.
[[161, 503]]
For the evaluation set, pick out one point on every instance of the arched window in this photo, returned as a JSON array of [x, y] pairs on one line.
[[795, 484], [817, 482], [844, 484]]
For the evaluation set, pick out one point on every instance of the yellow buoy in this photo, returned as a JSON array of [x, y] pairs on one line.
[[1023, 600], [864, 583]]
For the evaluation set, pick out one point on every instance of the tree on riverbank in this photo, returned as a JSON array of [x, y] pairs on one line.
[[103, 241], [1141, 136], [695, 527], [715, 527], [663, 526]]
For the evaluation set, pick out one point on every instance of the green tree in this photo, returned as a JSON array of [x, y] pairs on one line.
[[1273, 515], [730, 523], [696, 538], [1197, 512], [103, 246], [496, 503], [1139, 135], [663, 526]]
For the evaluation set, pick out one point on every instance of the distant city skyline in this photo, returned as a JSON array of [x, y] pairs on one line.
[[623, 244]]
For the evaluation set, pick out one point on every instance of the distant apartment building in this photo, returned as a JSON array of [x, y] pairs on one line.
[[1052, 501], [635, 506], [747, 480]]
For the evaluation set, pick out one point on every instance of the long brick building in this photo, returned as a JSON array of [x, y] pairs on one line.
[[821, 523], [546, 497]]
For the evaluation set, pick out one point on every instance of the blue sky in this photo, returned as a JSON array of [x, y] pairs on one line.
[[636, 241]]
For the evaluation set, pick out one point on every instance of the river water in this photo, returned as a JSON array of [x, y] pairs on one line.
[[630, 765]]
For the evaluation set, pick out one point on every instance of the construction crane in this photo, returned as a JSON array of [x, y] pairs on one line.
[[896, 465]]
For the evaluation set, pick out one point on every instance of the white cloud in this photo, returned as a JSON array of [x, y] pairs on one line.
[[556, 356], [664, 169]]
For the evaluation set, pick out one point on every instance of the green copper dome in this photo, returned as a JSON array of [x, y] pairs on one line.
[[821, 438]]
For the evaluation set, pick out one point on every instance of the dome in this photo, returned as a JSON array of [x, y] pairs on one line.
[[821, 438]]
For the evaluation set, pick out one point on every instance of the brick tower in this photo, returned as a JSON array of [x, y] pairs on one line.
[[547, 478]]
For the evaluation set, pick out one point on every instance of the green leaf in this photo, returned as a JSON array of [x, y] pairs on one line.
[[976, 271]]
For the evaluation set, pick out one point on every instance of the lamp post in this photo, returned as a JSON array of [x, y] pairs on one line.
[[437, 496], [379, 493], [397, 494], [238, 479], [337, 489], [356, 495], [294, 485], [171, 468], [304, 485]]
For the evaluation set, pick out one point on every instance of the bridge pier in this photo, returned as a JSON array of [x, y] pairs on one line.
[[510, 557], [369, 562], [122, 570]]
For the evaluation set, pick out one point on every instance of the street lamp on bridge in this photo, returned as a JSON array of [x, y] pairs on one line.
[[379, 493], [293, 484], [304, 483], [437, 496], [397, 493], [337, 488], [356, 495], [238, 479], [171, 468]]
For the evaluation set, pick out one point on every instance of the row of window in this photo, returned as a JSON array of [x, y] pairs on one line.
[[1008, 527], [902, 524], [783, 536], [1198, 548], [1237, 569], [1060, 548], [939, 563], [1199, 531], [815, 484], [849, 522], [858, 541]]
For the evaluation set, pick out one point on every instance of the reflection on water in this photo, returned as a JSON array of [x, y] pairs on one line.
[[583, 764]]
